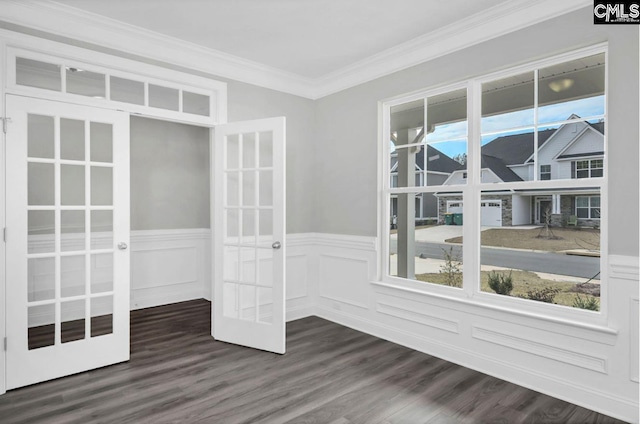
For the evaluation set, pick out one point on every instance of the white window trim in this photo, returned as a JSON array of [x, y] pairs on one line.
[[590, 169], [472, 191], [14, 44]]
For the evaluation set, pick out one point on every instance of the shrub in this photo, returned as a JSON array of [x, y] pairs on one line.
[[501, 283], [546, 294], [590, 303], [451, 269]]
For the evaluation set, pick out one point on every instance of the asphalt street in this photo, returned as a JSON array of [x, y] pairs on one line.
[[549, 262]]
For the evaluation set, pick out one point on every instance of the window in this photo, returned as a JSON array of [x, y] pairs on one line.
[[545, 172], [549, 115], [588, 207], [588, 168]]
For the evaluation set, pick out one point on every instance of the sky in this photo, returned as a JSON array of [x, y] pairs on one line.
[[451, 139]]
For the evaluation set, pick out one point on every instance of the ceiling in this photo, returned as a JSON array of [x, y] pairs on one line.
[[310, 38], [310, 48]]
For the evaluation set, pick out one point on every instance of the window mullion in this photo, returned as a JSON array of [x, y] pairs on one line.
[[471, 193]]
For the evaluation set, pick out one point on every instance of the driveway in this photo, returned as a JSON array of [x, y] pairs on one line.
[[439, 233]]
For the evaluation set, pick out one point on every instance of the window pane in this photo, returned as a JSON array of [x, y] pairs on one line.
[[72, 185], [71, 139], [101, 316], [42, 329], [41, 183], [72, 230], [85, 83], [417, 245], [197, 104], [128, 91], [163, 97], [72, 276], [541, 249], [41, 274], [508, 103], [507, 156], [445, 153], [41, 226], [573, 89], [101, 186], [40, 136], [72, 326], [101, 142], [34, 73]]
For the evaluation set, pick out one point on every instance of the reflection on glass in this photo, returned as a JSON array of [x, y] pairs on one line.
[[101, 272], [233, 188], [232, 223], [34, 73], [163, 97], [101, 229], [265, 271], [126, 90], [72, 276], [72, 230], [197, 104], [248, 225], [41, 231], [416, 250], [40, 184], [72, 325], [41, 322], [233, 152], [266, 188], [72, 185], [265, 305], [101, 186], [85, 83], [101, 142], [248, 307], [101, 316], [265, 150], [230, 270], [572, 88], [249, 150], [71, 139], [535, 231], [248, 265], [231, 298], [508, 103], [40, 136], [41, 276], [266, 225], [249, 188]]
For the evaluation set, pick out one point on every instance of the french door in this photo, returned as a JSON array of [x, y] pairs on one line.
[[67, 234], [249, 248]]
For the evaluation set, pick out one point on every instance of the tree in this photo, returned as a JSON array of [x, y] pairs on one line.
[[461, 158]]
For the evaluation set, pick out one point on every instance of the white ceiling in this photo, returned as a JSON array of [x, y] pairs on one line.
[[310, 38]]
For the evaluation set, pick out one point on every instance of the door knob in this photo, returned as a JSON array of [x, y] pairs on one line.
[[276, 245], [122, 245]]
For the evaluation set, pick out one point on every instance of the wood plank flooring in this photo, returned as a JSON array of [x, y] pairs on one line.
[[330, 374]]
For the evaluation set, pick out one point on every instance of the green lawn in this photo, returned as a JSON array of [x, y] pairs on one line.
[[523, 281]]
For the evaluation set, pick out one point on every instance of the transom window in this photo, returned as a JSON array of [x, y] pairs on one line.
[[484, 190]]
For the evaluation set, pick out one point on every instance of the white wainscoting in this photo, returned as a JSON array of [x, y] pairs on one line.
[[169, 266], [586, 365]]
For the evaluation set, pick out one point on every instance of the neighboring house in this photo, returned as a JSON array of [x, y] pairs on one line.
[[574, 150], [438, 169]]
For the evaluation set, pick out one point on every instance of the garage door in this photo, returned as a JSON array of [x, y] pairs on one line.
[[491, 213]]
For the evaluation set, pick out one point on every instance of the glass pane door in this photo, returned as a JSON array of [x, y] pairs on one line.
[[68, 301], [249, 229]]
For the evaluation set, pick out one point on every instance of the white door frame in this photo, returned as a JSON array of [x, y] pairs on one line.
[[94, 58]]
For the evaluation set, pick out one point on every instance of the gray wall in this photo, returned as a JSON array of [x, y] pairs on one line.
[[247, 101], [347, 122], [169, 175]]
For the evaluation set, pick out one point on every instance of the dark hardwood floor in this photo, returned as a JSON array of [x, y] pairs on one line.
[[330, 374]]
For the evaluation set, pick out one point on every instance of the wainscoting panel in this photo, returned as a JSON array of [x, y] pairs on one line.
[[582, 364]]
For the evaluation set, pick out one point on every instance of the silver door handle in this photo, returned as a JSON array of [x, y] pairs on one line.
[[276, 245], [122, 245]]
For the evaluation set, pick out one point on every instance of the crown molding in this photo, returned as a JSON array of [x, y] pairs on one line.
[[73, 23]]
